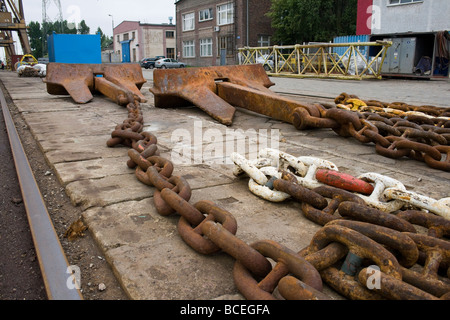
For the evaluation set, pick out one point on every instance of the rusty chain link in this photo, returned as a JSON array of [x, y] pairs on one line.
[[348, 239]]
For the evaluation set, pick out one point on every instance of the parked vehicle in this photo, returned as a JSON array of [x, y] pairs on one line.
[[143, 61], [149, 63], [266, 61], [169, 63]]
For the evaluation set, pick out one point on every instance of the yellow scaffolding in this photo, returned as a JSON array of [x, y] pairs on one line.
[[298, 61]]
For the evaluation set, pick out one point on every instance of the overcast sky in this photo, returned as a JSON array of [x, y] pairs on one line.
[[96, 12]]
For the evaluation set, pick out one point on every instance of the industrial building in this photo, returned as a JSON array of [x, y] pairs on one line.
[[134, 41], [209, 32], [418, 30]]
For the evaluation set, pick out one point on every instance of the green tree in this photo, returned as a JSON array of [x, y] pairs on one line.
[[298, 21], [35, 35], [83, 28], [105, 40]]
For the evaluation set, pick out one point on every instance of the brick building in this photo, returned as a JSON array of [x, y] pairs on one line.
[[210, 32], [134, 40]]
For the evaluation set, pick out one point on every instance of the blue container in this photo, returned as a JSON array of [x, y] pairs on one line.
[[75, 48], [351, 39]]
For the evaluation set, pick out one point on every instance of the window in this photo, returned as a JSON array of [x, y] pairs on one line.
[[225, 43], [170, 53], [403, 1], [205, 15], [225, 14], [188, 21], [206, 47], [189, 49], [126, 36], [170, 34], [264, 41]]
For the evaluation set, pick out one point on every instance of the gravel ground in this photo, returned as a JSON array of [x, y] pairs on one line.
[[20, 277]]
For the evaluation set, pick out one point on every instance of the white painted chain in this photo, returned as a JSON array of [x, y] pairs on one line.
[[250, 167], [305, 167], [389, 194], [258, 171], [440, 207], [377, 198], [265, 192], [309, 180]]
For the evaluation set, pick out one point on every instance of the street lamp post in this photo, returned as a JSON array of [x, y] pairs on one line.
[[112, 18]]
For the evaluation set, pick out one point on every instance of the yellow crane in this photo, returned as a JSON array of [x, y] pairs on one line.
[[12, 18]]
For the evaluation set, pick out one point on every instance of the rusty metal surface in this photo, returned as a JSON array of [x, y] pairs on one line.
[[199, 87], [409, 254], [396, 289], [292, 288], [120, 82], [287, 261], [367, 214], [263, 102], [359, 244]]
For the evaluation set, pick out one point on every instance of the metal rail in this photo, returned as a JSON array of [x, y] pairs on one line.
[[318, 60], [52, 260]]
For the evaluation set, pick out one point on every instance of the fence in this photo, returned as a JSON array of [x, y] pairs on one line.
[[319, 60]]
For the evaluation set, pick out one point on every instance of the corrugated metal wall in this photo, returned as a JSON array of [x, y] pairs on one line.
[[350, 39]]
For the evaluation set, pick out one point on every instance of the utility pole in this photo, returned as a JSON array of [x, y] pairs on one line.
[[46, 20]]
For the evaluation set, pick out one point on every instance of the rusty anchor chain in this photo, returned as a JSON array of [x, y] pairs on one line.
[[376, 218]]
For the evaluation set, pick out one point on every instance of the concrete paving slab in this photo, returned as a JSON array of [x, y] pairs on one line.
[[46, 125], [78, 148], [91, 169], [107, 190]]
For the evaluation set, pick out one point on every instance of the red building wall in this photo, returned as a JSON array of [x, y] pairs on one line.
[[363, 24]]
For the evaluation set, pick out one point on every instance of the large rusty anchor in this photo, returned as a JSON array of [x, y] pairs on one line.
[[119, 82], [218, 90]]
